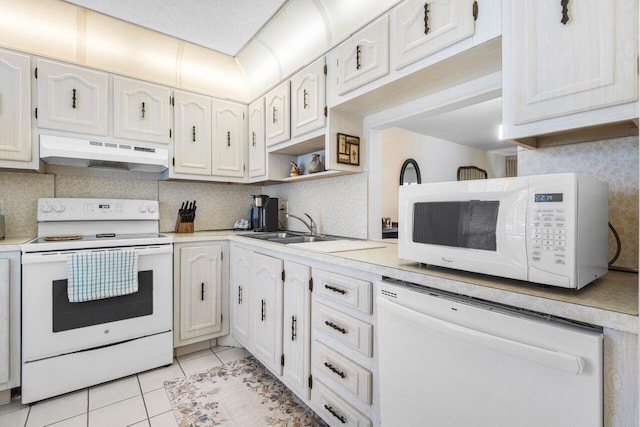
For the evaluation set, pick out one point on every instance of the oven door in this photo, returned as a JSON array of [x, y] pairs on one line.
[[52, 326]]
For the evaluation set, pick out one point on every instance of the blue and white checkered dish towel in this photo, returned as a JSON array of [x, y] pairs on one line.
[[102, 274]]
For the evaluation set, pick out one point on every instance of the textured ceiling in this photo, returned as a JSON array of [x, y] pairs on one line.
[[222, 25]]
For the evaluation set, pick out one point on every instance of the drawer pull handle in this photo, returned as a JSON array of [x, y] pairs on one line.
[[202, 292], [358, 57], [143, 111], [335, 289], [239, 295], [73, 98], [193, 134], [294, 323], [335, 370], [304, 99], [336, 327], [426, 18], [275, 115], [254, 139], [263, 311], [228, 138], [565, 11], [335, 414]]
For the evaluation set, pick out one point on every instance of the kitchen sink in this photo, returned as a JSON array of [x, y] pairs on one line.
[[286, 237]]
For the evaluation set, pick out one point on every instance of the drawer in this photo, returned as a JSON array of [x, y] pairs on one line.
[[346, 290], [336, 410], [335, 368], [344, 328]]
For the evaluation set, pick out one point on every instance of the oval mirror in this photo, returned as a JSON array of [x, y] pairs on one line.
[[410, 173]]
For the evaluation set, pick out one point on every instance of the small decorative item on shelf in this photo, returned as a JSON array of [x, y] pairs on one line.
[[295, 170], [186, 216], [315, 165]]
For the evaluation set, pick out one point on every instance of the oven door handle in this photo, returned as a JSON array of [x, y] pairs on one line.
[[47, 257]]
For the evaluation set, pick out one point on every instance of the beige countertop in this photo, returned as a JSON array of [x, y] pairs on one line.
[[11, 244]]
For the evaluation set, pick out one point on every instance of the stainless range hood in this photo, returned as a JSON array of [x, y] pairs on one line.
[[68, 151]]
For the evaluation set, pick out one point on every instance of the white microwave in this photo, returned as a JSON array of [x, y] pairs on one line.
[[548, 229]]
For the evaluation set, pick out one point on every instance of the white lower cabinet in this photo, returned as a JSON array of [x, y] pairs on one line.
[[241, 279], [200, 282], [9, 320]]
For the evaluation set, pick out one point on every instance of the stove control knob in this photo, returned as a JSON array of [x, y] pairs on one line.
[[46, 208], [59, 208], [142, 208], [151, 208]]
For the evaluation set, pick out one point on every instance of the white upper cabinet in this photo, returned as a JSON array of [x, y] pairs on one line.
[[423, 27], [257, 147], [278, 114], [141, 110], [72, 99], [192, 141], [15, 111], [364, 57], [308, 98], [229, 139], [558, 61]]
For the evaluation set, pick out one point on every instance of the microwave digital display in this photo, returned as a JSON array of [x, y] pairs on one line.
[[548, 197]]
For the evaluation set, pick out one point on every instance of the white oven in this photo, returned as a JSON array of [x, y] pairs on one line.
[[71, 345]]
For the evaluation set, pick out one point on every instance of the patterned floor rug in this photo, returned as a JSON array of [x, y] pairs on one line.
[[241, 393]]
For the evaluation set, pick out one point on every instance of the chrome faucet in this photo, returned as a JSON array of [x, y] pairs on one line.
[[311, 225]]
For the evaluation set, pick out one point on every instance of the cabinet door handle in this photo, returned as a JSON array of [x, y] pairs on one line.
[[239, 295], [294, 324], [275, 115], [143, 110], [228, 138], [304, 99], [202, 291], [426, 18], [565, 11], [357, 57], [336, 327], [335, 289], [262, 316], [335, 370], [74, 98], [193, 133], [335, 414], [253, 138]]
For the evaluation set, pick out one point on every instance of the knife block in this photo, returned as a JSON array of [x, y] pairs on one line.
[[183, 227]]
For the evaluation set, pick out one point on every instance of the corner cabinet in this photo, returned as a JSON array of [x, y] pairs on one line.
[[15, 110], [257, 147], [363, 57], [141, 111], [200, 291], [72, 99], [562, 61], [278, 114], [308, 105], [422, 28]]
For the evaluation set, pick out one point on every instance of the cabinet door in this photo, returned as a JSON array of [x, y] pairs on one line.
[[266, 298], [15, 101], [364, 57], [296, 340], [192, 144], [141, 110], [200, 291], [4, 321], [257, 148], [424, 27], [277, 114], [241, 282], [228, 139], [72, 99], [308, 99], [554, 66]]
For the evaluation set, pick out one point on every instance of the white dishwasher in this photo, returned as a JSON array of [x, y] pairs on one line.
[[447, 360]]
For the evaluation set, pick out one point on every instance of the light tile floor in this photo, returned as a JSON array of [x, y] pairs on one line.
[[138, 400]]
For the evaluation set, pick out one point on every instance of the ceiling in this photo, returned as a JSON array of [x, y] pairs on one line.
[[474, 126], [222, 25]]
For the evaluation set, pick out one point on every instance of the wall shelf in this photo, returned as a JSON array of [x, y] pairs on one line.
[[316, 175]]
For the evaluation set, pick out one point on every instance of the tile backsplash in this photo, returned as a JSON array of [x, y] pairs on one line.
[[20, 192], [614, 161]]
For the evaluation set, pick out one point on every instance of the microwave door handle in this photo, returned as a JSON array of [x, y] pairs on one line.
[[552, 359]]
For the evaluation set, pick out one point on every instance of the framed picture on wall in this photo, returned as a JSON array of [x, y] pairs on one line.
[[348, 149]]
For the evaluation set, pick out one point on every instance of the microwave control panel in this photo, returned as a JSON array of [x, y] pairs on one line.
[[548, 235]]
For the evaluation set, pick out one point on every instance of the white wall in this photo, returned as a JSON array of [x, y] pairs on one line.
[[437, 159]]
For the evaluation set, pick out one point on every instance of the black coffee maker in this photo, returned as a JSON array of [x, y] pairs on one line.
[[264, 213]]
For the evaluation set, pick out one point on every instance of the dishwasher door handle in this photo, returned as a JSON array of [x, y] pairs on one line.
[[553, 359]]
